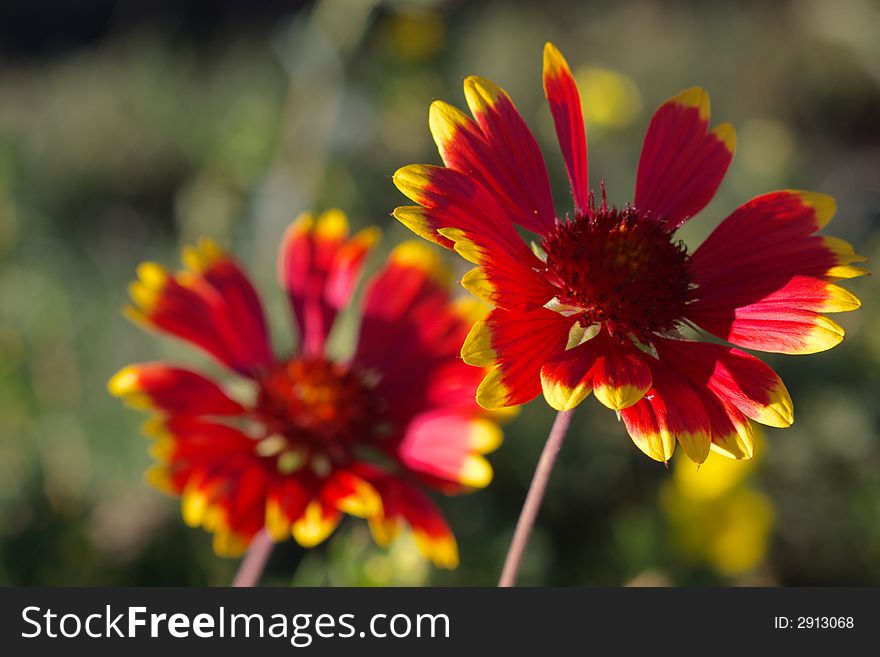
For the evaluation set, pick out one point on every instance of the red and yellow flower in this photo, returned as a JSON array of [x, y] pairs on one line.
[[601, 303], [317, 437]]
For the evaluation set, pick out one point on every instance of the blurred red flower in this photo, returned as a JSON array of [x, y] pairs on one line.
[[319, 437]]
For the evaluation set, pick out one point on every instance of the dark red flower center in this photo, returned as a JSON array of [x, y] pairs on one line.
[[314, 405], [620, 269]]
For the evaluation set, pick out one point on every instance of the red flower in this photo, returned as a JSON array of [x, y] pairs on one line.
[[601, 302], [318, 437]]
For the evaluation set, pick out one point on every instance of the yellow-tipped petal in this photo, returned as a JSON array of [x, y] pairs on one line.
[[560, 396], [822, 204], [444, 121], [824, 335], [481, 94], [416, 219], [421, 256], [486, 436], [384, 531], [194, 505], [475, 472], [365, 502], [694, 97], [313, 527], [739, 445], [726, 133], [839, 300], [124, 382], [554, 62], [492, 393], [332, 225], [412, 179], [659, 445], [463, 246], [477, 283], [276, 524], [696, 445], [443, 551], [477, 348], [618, 397]]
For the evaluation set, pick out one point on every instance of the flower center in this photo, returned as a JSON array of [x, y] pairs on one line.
[[616, 268], [313, 405]]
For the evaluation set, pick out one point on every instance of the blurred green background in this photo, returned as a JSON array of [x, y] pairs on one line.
[[128, 129]]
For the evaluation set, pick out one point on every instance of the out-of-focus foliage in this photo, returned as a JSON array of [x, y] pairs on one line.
[[127, 132]]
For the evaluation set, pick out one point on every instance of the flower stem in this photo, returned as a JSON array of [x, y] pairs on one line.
[[529, 512], [254, 561]]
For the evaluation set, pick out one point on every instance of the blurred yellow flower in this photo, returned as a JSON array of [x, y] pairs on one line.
[[716, 516], [415, 36], [611, 99]]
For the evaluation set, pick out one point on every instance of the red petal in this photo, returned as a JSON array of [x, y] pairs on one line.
[[682, 164], [565, 105], [172, 390], [516, 345], [671, 411], [212, 305], [565, 380], [737, 378], [620, 375], [499, 151], [448, 447], [319, 266], [763, 279]]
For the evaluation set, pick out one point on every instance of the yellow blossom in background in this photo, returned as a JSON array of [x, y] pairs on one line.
[[612, 99], [716, 515], [415, 36]]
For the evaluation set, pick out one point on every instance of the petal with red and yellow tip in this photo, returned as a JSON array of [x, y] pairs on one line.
[[500, 280], [735, 377], [762, 278], [767, 241], [319, 265], [241, 304], [499, 152], [682, 162], [791, 331], [189, 307], [670, 412], [315, 524], [565, 380], [407, 311], [732, 434], [286, 501], [845, 256], [408, 318], [516, 345], [451, 199], [643, 427], [620, 376], [680, 411], [506, 283], [772, 234], [449, 446], [432, 535], [345, 270], [403, 502], [162, 303], [565, 105], [172, 390], [351, 494]]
